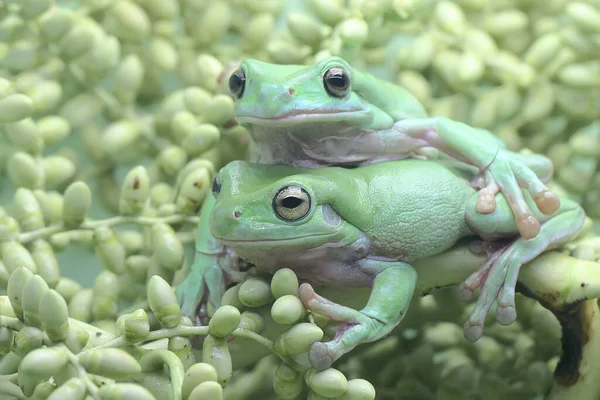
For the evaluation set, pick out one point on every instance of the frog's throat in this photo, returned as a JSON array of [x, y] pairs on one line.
[[295, 116], [233, 242]]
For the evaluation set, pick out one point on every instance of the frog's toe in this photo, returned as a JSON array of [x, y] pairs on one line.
[[473, 330], [547, 202], [319, 356], [506, 314]]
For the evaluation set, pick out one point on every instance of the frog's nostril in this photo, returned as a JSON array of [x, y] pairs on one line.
[[291, 91], [237, 214]]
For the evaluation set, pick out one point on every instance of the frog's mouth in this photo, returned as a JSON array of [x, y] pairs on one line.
[[300, 115], [250, 242]]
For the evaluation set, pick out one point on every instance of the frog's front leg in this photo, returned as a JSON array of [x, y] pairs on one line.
[[501, 169], [205, 281], [498, 277], [392, 290]]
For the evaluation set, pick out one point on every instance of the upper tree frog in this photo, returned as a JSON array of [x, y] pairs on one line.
[[331, 114], [364, 227]]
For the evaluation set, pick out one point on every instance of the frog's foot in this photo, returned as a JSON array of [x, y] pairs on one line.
[[353, 328], [508, 176], [498, 277]]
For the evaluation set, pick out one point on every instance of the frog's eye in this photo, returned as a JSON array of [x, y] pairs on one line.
[[216, 186], [336, 82], [237, 83], [291, 203]]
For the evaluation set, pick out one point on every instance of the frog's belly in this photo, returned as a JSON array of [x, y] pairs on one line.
[[325, 265]]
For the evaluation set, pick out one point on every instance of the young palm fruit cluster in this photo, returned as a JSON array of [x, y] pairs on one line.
[[113, 123]]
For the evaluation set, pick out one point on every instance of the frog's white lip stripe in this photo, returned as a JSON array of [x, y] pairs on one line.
[[258, 241], [295, 116]]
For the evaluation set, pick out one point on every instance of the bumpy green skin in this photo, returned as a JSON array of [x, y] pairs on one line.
[[294, 121], [364, 227]]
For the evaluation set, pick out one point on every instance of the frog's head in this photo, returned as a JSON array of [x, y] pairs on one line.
[[271, 208], [287, 95]]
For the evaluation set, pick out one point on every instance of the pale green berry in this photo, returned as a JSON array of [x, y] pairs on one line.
[[33, 291], [219, 110], [4, 275], [133, 241], [135, 191], [585, 16], [21, 56], [80, 305], [128, 78], [77, 338], [17, 281], [286, 52], [163, 302], [167, 247], [284, 282], [195, 375], [194, 188], [160, 194], [329, 383], [16, 256], [208, 68], [330, 12], [136, 326], [109, 250], [586, 140], [196, 99], [67, 288], [73, 389], [506, 22], [56, 23], [207, 390], [26, 135], [110, 362], [27, 210], [128, 21], [122, 391], [78, 41], [201, 138], [106, 295], [255, 292], [54, 129], [252, 321], [225, 320], [9, 228], [24, 171], [450, 17], [137, 267], [164, 54], [298, 339], [7, 337], [305, 28], [39, 365], [121, 140], [27, 340], [287, 382], [287, 310], [58, 170], [54, 316], [81, 109], [182, 348], [216, 353], [231, 298], [172, 159]]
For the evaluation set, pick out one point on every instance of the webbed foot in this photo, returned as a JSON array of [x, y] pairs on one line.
[[497, 278]]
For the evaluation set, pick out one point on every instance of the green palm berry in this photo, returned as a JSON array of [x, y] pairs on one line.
[[207, 390], [255, 292], [219, 110], [39, 365], [76, 204], [24, 171], [73, 389], [298, 339], [195, 375], [51, 204], [33, 291], [215, 352], [252, 321], [136, 326], [110, 362], [7, 339], [359, 389], [106, 295], [109, 250], [15, 107], [78, 41], [201, 138], [329, 383], [46, 262], [284, 282], [54, 316], [26, 135], [193, 190], [225, 320], [54, 129], [168, 249], [163, 302], [15, 255], [58, 170], [56, 23], [129, 21], [231, 298], [27, 211], [287, 382], [287, 310], [196, 99], [67, 288], [135, 191], [77, 338], [128, 78], [28, 339], [9, 228], [80, 305], [124, 391], [17, 281]]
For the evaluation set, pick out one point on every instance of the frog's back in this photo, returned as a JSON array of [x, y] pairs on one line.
[[416, 208]]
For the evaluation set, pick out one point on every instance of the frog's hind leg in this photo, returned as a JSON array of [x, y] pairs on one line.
[[391, 294], [498, 277]]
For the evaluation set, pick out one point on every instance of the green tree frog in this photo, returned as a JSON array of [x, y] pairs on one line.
[[330, 114], [364, 227]]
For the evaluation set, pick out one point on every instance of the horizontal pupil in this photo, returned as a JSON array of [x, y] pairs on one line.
[[338, 80]]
